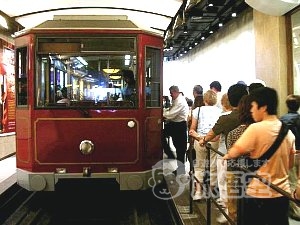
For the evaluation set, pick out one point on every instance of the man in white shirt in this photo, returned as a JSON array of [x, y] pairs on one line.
[[176, 127]]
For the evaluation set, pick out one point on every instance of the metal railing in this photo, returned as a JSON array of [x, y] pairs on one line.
[[210, 198]]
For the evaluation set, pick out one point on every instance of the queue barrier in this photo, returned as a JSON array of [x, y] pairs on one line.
[[210, 199]]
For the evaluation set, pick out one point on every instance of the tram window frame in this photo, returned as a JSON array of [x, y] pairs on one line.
[[50, 66], [22, 76], [153, 74]]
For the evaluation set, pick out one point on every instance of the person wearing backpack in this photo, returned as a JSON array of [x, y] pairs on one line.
[[292, 119]]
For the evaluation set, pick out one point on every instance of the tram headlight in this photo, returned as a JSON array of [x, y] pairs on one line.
[[131, 124], [86, 147]]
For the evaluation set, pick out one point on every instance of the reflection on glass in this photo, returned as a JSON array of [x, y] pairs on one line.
[[153, 77], [89, 72], [21, 75]]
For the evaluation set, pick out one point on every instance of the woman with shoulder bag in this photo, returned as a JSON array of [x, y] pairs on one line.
[[208, 115]]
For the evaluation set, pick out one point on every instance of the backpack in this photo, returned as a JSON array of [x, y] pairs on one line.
[[294, 126]]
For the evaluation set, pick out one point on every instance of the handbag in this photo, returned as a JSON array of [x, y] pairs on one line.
[[191, 152]]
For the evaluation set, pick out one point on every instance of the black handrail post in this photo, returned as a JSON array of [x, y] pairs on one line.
[[191, 174], [240, 201], [207, 185]]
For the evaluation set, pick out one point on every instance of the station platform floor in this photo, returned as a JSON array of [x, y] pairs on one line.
[[180, 188], [7, 173]]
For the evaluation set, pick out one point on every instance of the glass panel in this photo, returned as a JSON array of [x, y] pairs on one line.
[[296, 50], [153, 77], [86, 72], [21, 75]]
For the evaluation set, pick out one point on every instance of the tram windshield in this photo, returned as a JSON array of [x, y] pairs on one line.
[[86, 72]]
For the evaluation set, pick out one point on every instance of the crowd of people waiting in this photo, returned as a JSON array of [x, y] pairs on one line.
[[242, 125]]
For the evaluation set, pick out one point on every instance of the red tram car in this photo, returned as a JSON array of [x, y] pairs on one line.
[[74, 119]]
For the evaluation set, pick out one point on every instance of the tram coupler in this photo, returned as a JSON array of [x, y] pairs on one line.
[[86, 171]]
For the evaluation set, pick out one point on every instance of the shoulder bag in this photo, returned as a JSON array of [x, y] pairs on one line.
[[254, 164], [191, 152]]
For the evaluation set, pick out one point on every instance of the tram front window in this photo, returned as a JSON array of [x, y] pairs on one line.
[[85, 72]]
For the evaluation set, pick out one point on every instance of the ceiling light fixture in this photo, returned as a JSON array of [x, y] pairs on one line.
[[197, 21], [220, 24], [233, 12], [110, 70], [185, 29], [115, 77], [171, 45]]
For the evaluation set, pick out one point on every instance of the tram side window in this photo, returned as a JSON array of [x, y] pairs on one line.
[[153, 77], [21, 75]]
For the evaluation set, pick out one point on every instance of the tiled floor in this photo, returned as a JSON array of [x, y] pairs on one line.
[[7, 173]]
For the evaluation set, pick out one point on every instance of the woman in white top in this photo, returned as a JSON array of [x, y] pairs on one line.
[[221, 166], [208, 115]]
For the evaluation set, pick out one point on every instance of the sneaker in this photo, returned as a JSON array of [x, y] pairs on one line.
[[198, 196], [294, 211], [221, 218]]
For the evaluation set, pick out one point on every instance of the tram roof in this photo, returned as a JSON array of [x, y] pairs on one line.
[[85, 24]]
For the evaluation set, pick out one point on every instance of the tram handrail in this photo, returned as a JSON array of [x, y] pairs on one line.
[[207, 184]]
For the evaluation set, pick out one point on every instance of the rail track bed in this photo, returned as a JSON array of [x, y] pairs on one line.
[[85, 205]]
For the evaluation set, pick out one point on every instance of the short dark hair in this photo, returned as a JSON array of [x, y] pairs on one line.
[[198, 89], [198, 102], [216, 84], [128, 73], [189, 101], [235, 93], [130, 76], [265, 96], [293, 102], [253, 86], [244, 108]]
